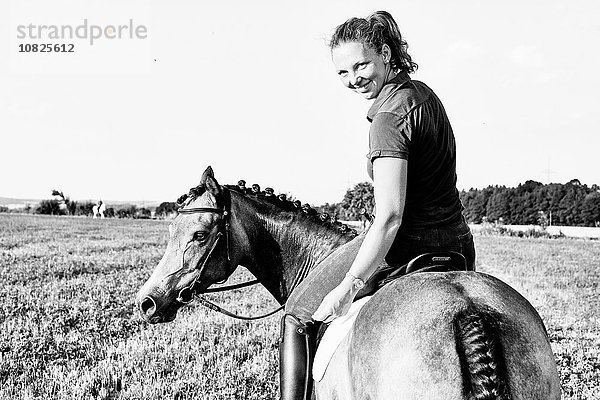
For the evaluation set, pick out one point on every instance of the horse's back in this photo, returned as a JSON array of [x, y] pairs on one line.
[[405, 342]]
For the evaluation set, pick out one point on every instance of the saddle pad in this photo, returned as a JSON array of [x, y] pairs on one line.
[[333, 336]]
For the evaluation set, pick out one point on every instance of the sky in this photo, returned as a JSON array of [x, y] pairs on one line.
[[249, 88]]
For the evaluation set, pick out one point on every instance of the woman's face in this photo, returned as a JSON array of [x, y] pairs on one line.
[[360, 68]]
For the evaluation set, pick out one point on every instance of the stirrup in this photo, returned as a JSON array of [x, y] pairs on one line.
[[296, 352]]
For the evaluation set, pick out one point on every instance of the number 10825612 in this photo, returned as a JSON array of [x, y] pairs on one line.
[[46, 48]]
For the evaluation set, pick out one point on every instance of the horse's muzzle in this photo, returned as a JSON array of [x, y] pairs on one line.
[[153, 313]]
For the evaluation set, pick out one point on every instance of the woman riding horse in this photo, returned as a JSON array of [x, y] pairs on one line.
[[436, 335], [412, 162]]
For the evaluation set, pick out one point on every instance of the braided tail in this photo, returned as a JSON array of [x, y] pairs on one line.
[[481, 356]]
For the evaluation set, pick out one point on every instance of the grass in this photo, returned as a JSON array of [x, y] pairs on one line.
[[69, 328]]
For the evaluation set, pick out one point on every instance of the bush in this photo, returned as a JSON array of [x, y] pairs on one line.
[[49, 207], [142, 213], [500, 230], [85, 208], [109, 212], [127, 212]]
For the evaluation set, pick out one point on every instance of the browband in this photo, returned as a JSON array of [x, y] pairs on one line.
[[201, 209]]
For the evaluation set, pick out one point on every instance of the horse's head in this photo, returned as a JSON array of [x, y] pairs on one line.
[[197, 255]]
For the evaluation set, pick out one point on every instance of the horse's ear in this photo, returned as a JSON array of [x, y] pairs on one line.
[[207, 172], [210, 183]]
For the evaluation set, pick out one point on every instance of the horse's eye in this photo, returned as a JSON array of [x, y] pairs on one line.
[[200, 236]]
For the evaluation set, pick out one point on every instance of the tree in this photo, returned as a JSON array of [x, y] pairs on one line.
[[165, 209], [356, 199], [142, 213], [466, 197], [591, 209], [564, 204], [475, 203], [569, 207], [523, 205], [71, 206], [127, 212], [497, 207]]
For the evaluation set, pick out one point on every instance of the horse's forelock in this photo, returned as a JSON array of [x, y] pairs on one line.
[[191, 195]]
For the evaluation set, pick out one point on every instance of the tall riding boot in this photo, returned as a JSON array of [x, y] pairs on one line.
[[296, 351]]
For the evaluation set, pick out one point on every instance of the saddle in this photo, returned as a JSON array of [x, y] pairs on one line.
[[444, 261]]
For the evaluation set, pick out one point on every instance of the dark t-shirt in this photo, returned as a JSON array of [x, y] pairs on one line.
[[408, 121]]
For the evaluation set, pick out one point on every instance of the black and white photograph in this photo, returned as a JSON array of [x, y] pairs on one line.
[[317, 200]]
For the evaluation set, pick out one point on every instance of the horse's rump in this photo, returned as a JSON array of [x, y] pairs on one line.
[[433, 336]]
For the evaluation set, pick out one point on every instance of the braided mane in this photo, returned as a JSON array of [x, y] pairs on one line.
[[280, 201]]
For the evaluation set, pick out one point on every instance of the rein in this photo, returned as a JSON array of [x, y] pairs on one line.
[[187, 294]]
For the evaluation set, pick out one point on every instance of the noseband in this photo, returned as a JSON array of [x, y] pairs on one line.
[[188, 293]]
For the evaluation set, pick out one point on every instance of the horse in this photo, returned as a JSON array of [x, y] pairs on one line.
[[433, 335]]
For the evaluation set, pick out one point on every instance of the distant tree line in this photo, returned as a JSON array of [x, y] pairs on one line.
[[60, 207], [570, 204], [56, 207], [530, 203], [63, 205]]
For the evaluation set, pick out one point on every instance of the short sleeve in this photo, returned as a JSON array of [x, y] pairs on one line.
[[389, 136]]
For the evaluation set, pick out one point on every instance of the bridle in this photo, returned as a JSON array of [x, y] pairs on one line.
[[188, 293]]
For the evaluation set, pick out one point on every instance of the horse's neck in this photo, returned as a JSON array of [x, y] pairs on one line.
[[282, 249], [302, 245]]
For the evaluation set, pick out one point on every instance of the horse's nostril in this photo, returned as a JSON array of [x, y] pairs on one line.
[[186, 295], [148, 306]]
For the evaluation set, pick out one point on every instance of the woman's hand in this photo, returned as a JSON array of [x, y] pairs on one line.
[[337, 302]]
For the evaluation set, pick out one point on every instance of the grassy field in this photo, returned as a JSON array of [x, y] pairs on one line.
[[69, 329]]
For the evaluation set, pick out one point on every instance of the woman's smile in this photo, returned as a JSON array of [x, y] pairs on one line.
[[364, 87]]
